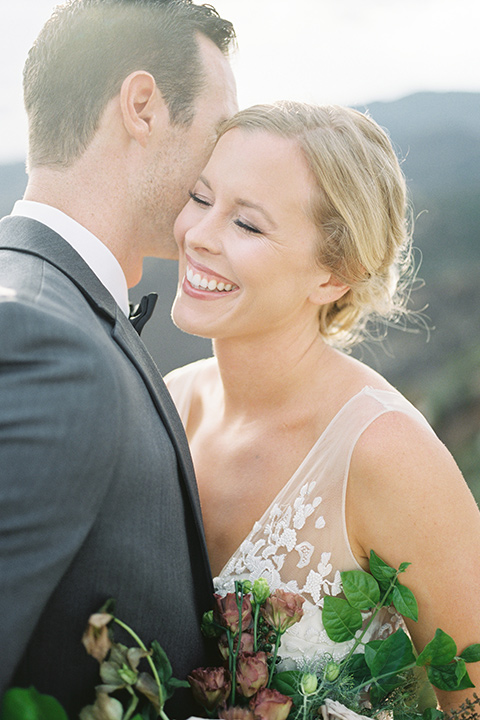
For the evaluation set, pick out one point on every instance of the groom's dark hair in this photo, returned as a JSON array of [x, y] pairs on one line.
[[86, 50]]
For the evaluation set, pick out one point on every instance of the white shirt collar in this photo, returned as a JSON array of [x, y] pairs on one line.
[[97, 256]]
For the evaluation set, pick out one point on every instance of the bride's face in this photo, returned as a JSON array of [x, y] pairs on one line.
[[246, 244]]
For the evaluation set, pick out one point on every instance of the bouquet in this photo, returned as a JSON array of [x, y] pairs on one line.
[[376, 679]]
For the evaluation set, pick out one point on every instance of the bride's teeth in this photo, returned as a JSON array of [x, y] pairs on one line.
[[212, 285]]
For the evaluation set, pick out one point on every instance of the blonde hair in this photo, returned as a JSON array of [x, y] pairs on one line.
[[359, 207]]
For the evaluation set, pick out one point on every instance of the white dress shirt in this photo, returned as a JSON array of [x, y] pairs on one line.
[[97, 256]]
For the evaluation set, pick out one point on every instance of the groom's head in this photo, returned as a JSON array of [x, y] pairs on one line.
[[125, 97], [87, 49]]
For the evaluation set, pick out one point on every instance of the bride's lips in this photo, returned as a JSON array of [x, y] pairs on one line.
[[200, 281]]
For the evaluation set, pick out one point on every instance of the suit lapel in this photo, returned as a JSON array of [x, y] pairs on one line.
[[32, 237]]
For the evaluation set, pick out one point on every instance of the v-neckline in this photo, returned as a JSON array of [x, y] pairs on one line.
[[291, 481]]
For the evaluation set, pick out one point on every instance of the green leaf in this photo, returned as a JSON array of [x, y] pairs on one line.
[[386, 659], [404, 601], [439, 651], [432, 714], [161, 662], [287, 682], [471, 653], [390, 656], [357, 668], [361, 589], [340, 620], [381, 571], [450, 677], [29, 704], [175, 683], [403, 566]]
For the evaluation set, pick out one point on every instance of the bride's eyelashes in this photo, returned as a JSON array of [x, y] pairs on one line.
[[203, 202], [248, 228], [199, 200]]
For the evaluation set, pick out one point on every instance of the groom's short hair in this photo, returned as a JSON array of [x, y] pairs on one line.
[[86, 50]]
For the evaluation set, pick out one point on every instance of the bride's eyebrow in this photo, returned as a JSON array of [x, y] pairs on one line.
[[204, 180]]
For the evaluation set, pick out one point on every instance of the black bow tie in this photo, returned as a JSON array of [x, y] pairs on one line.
[[140, 314]]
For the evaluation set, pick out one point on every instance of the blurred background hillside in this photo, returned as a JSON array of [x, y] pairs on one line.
[[436, 364]]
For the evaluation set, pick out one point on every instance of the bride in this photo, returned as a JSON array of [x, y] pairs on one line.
[[294, 236]]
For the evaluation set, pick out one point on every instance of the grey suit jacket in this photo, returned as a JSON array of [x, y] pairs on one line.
[[97, 491]]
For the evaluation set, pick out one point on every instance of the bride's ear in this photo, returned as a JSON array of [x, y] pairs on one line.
[[329, 289]]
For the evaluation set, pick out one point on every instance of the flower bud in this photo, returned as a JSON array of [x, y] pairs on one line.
[[128, 675], [96, 638], [308, 683], [208, 626], [283, 609], [261, 590], [331, 671]]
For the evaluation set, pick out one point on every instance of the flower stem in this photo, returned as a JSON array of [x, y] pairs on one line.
[[256, 614], [150, 662], [372, 680], [131, 708], [274, 658]]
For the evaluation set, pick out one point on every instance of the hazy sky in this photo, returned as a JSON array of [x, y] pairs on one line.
[[325, 51]]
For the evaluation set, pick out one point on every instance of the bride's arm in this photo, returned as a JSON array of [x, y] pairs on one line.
[[408, 501]]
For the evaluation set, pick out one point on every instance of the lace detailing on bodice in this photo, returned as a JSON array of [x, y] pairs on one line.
[[301, 542]]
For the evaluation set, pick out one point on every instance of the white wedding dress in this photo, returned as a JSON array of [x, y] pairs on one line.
[[301, 543]]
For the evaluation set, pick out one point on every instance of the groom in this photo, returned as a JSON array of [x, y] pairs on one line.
[[97, 491]]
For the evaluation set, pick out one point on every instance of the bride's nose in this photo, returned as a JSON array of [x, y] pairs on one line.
[[204, 236]]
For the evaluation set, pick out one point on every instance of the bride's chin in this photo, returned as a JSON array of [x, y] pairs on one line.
[[188, 324]]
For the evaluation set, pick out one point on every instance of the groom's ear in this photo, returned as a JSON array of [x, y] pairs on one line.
[[142, 106], [329, 289]]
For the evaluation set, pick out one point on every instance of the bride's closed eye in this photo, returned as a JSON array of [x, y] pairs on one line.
[[199, 200], [247, 227], [204, 202]]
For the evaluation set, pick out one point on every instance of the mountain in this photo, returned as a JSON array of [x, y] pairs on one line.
[[437, 363]]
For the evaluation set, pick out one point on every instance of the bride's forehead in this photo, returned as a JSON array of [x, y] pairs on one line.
[[263, 154]]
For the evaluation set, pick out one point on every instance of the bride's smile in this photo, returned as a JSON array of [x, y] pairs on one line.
[[201, 279]]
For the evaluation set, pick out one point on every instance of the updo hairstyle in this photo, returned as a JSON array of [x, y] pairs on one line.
[[359, 207]]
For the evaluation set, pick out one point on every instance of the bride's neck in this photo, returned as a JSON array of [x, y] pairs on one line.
[[264, 374]]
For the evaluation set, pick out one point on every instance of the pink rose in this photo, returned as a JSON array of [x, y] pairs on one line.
[[226, 612], [210, 686], [252, 672], [270, 704], [283, 609]]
